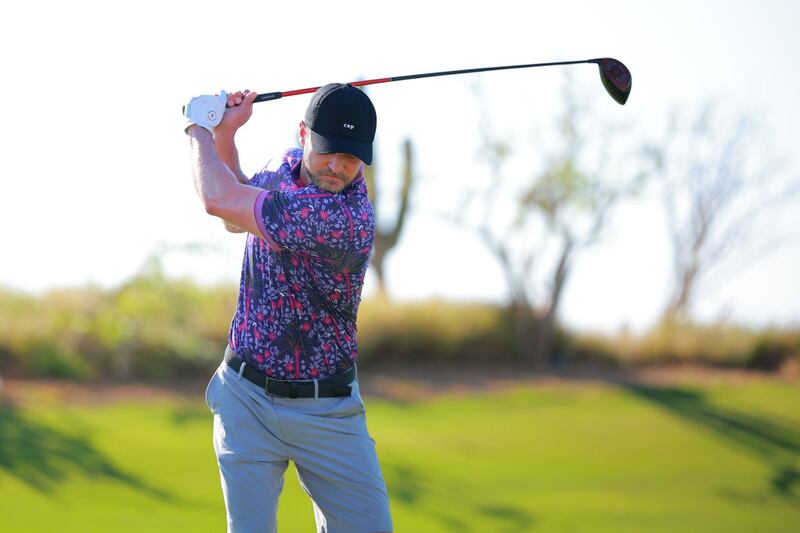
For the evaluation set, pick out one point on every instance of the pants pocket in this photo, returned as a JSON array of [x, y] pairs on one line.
[[209, 391]]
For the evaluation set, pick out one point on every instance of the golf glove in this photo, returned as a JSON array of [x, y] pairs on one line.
[[205, 111]]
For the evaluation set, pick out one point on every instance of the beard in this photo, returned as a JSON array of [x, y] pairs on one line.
[[322, 179]]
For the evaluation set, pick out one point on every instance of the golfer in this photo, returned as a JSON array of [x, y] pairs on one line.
[[287, 389]]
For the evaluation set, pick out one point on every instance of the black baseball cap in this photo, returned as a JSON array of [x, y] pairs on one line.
[[342, 118]]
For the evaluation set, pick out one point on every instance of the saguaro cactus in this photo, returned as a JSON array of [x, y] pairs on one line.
[[388, 233]]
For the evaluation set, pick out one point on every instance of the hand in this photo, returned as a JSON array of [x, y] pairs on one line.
[[240, 108], [205, 111]]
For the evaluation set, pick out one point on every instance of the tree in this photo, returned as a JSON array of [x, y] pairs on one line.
[[386, 238], [716, 186], [536, 226]]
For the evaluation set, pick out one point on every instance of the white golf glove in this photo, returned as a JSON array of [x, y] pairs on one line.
[[205, 111]]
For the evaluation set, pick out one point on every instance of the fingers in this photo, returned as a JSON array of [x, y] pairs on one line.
[[234, 99], [239, 97], [250, 96]]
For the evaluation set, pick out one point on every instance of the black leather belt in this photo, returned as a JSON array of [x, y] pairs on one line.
[[330, 387]]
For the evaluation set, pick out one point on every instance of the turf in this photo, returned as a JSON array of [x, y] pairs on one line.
[[564, 458]]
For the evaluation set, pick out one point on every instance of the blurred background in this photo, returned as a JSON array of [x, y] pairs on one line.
[[577, 299]]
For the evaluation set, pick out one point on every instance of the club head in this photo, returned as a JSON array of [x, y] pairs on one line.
[[616, 78]]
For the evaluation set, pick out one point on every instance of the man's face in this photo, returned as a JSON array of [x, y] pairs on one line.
[[331, 172]]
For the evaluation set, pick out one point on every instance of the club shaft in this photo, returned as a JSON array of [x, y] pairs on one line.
[[275, 95]]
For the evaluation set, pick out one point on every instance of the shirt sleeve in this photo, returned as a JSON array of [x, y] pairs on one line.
[[316, 222]]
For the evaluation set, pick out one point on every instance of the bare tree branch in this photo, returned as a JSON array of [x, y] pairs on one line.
[[714, 197], [567, 203]]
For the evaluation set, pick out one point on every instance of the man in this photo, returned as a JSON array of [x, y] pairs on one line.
[[287, 388]]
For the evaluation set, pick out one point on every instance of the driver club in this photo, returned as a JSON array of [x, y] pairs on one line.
[[615, 76]]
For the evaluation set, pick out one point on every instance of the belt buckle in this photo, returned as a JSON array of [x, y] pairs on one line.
[[274, 382]]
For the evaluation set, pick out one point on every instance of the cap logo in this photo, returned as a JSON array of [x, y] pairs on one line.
[[349, 126]]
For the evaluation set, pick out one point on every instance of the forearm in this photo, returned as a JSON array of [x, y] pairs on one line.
[[212, 176], [226, 148], [222, 195]]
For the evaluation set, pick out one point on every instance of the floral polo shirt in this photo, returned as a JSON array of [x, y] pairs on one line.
[[301, 283]]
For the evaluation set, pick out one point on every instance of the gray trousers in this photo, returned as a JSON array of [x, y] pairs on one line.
[[255, 437]]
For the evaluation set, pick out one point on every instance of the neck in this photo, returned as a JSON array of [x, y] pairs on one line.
[[304, 175]]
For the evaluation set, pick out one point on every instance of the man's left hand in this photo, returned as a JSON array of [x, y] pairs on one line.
[[205, 111]]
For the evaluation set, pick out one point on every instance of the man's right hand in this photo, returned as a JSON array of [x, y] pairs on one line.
[[239, 107], [238, 112]]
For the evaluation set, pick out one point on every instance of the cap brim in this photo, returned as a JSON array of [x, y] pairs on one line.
[[329, 144]]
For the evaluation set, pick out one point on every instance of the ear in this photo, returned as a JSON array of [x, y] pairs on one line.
[[302, 133]]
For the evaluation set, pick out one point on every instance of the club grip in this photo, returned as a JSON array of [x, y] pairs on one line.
[[267, 96]]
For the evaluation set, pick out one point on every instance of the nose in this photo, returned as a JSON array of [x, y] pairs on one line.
[[337, 162]]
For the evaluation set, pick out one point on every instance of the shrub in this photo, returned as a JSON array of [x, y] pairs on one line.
[[157, 328], [774, 350], [432, 331], [43, 357]]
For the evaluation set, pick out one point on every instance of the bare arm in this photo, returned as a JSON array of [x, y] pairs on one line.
[[219, 190], [226, 148], [240, 108], [238, 112]]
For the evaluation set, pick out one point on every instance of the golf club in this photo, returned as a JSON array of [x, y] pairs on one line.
[[615, 76]]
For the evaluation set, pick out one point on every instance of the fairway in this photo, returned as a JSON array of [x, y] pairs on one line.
[[564, 457]]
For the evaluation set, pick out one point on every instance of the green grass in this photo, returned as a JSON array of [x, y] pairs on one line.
[[565, 458]]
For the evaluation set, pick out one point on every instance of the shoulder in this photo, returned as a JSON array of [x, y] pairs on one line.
[[277, 170]]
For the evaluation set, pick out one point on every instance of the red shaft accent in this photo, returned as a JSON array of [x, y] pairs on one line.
[[370, 82], [299, 91], [354, 83]]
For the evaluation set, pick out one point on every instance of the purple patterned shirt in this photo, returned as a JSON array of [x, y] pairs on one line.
[[301, 284]]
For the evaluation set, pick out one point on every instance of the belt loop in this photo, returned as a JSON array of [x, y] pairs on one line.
[[241, 369], [316, 389]]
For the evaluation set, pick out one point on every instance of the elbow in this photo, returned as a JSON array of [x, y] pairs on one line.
[[218, 201], [212, 206], [232, 228]]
